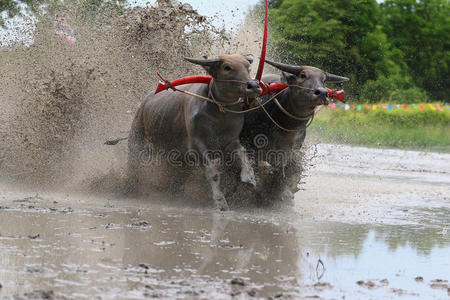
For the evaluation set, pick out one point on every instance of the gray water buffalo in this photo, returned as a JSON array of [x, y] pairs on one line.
[[274, 142], [187, 127]]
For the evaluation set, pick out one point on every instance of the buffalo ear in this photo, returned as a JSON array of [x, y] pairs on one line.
[[250, 58], [208, 64], [288, 78]]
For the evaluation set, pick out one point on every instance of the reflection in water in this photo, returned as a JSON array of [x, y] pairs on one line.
[[133, 253]]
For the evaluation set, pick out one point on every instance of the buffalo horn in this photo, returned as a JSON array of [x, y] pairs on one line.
[[203, 61], [335, 78], [286, 68]]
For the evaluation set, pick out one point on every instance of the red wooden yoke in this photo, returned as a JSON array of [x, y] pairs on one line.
[[267, 89]]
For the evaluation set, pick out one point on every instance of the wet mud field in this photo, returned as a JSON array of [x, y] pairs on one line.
[[367, 224]]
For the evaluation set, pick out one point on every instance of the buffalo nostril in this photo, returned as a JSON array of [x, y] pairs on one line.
[[321, 92], [253, 86]]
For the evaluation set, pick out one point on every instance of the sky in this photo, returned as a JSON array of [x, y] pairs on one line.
[[233, 11]]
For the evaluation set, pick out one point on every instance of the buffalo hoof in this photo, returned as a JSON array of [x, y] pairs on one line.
[[288, 198], [221, 204], [225, 208]]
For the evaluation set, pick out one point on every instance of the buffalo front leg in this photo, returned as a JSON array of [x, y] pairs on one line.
[[247, 173], [212, 176]]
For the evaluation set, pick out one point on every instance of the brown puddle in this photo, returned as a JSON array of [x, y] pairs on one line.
[[118, 253], [80, 247]]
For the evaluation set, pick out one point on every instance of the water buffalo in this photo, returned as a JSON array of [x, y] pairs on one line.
[[188, 127], [274, 141]]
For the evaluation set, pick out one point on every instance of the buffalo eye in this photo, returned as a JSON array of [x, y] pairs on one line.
[[227, 68], [303, 76]]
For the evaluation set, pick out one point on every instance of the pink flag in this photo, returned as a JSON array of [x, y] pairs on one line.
[[333, 105], [384, 106], [438, 105]]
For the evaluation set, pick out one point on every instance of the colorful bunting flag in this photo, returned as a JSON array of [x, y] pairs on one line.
[[390, 107]]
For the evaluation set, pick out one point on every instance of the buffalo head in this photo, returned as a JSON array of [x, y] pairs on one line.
[[307, 83], [231, 76]]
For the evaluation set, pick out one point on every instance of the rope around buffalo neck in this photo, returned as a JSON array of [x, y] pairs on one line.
[[221, 105], [276, 123], [253, 108], [291, 115], [272, 119], [309, 118], [222, 108]]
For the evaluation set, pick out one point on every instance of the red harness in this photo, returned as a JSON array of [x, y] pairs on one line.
[[266, 88]]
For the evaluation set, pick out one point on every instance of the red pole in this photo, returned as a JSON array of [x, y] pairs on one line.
[[264, 44]]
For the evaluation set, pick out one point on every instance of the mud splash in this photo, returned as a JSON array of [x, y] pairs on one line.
[[61, 102]]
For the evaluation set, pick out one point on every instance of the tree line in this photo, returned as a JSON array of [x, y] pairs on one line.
[[392, 50], [397, 50]]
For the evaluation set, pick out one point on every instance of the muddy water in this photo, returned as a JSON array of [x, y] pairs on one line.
[[368, 224]]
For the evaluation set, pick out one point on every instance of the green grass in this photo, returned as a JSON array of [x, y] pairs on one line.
[[399, 128]]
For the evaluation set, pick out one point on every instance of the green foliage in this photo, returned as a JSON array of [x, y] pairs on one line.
[[400, 128], [411, 95], [339, 36], [378, 90], [396, 88], [421, 31], [383, 47]]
